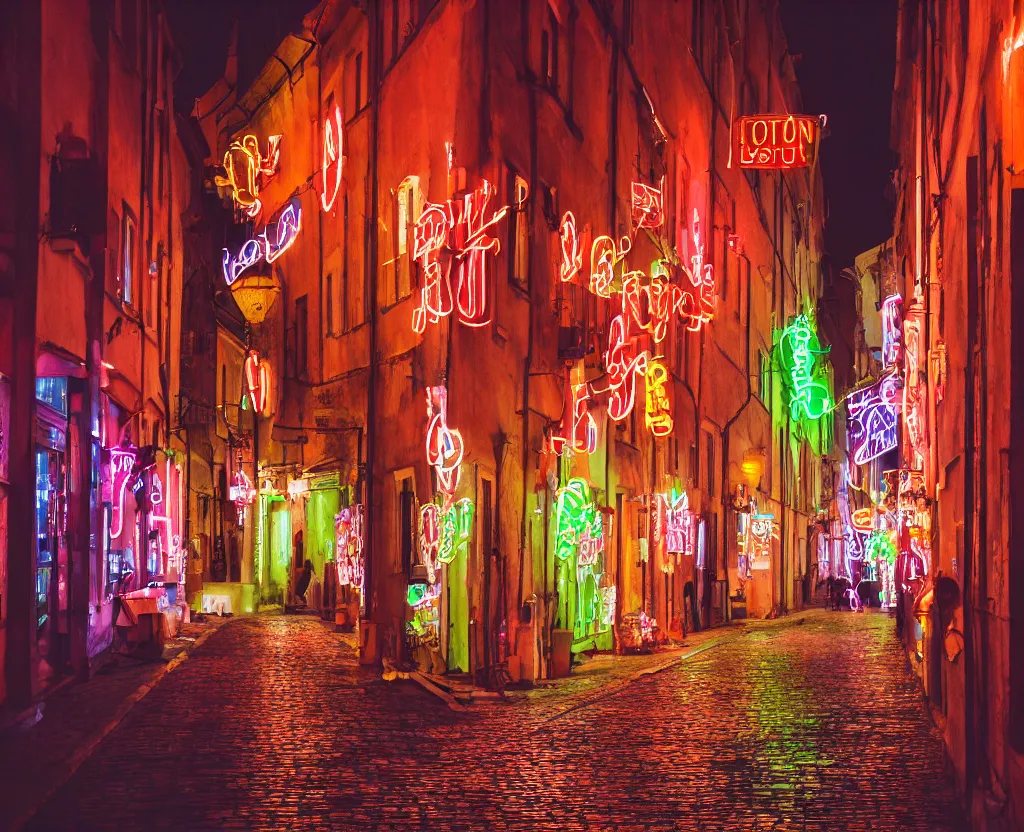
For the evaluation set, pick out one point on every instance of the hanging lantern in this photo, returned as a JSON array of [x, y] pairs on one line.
[[255, 295]]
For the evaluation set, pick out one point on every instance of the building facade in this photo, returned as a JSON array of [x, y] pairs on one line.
[[534, 351], [96, 182], [958, 245]]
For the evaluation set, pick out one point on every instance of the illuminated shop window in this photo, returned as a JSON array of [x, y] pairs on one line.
[[53, 392]]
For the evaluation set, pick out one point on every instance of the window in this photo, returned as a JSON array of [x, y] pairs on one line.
[[407, 524], [358, 76], [709, 463], [764, 389], [344, 265], [404, 226], [128, 256], [549, 52], [329, 305], [301, 336], [519, 231]]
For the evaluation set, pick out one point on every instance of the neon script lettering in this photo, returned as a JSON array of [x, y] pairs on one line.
[[122, 467], [445, 447], [873, 419], [577, 428], [246, 170], [463, 229], [799, 347], [275, 239], [331, 161]]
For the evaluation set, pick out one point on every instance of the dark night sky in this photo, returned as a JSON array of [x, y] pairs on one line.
[[846, 71]]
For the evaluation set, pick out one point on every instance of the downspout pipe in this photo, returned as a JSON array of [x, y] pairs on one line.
[[725, 440], [370, 531]]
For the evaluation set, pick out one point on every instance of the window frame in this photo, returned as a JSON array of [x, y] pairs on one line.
[[129, 261]]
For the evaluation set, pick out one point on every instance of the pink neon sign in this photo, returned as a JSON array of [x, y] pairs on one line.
[[122, 469]]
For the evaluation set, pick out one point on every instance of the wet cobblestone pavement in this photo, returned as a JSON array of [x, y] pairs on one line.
[[272, 726]]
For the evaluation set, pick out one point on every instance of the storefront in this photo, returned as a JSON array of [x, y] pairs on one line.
[[51, 542], [586, 599]]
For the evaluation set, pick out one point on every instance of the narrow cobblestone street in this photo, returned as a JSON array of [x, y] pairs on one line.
[[271, 725]]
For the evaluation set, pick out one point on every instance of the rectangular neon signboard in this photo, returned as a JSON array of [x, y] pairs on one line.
[[775, 141]]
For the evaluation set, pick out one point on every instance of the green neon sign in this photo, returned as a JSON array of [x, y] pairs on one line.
[[804, 378], [880, 547], [577, 523]]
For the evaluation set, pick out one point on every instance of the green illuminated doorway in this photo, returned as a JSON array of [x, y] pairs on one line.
[[321, 510]]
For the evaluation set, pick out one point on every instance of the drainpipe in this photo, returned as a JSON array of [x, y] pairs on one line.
[[613, 162], [370, 533], [725, 440], [526, 540]]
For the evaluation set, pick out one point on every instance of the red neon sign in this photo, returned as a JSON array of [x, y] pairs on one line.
[[463, 228], [646, 206], [775, 141], [577, 428], [572, 257], [257, 382], [331, 162]]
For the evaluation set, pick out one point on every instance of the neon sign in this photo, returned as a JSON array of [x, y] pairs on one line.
[[881, 548], [257, 382], [444, 532], [463, 229], [569, 240], [658, 415], [775, 142], [799, 347], [577, 429], [246, 169], [645, 206], [161, 516], [678, 524], [873, 420], [578, 524], [331, 161], [348, 530], [763, 530], [913, 390], [445, 447], [241, 492], [285, 231], [892, 330], [122, 467], [863, 519], [696, 306], [623, 364], [422, 596], [647, 306], [605, 256], [275, 239]]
